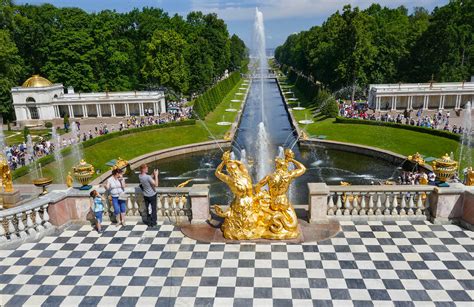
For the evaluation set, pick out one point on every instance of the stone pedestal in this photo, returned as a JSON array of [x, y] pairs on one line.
[[318, 203], [10, 199], [200, 203], [446, 203]]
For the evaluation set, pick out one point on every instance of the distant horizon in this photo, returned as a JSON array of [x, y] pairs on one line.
[[281, 18]]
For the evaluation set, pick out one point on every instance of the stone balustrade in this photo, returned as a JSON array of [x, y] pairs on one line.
[[40, 216], [388, 202]]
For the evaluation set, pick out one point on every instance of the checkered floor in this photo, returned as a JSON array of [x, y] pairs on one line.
[[369, 263]]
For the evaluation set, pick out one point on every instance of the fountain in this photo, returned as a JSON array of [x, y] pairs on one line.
[[224, 122], [31, 156], [42, 182], [56, 140], [465, 153], [306, 121], [76, 151]]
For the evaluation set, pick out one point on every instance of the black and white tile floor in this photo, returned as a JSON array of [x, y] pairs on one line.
[[369, 263]]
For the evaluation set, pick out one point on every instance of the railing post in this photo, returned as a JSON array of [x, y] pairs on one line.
[[318, 202], [200, 203], [446, 203]]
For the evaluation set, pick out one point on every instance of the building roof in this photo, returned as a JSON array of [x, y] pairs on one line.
[[36, 81]]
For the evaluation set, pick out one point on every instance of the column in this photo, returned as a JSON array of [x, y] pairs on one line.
[[458, 102], [71, 111], [84, 111], [394, 103], [112, 109], [127, 109], [426, 100], [99, 110], [56, 111], [140, 106], [441, 102], [162, 105], [377, 103], [156, 109]]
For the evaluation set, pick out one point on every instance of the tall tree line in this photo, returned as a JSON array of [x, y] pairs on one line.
[[383, 45], [110, 51]]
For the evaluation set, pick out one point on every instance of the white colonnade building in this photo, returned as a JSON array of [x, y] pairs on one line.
[[38, 100], [413, 96]]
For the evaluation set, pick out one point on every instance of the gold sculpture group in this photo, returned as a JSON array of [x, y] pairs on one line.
[[5, 175], [256, 213]]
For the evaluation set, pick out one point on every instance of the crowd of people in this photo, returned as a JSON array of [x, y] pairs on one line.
[[22, 154], [439, 120]]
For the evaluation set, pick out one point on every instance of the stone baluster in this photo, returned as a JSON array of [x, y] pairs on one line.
[[331, 205], [136, 207], [38, 221], [181, 200], [29, 224], [338, 204], [347, 205], [395, 204], [355, 205], [378, 205], [411, 205], [419, 204], [46, 224], [403, 205], [3, 235], [166, 205], [387, 204], [11, 228], [21, 226], [371, 205], [129, 205], [159, 205], [363, 205]]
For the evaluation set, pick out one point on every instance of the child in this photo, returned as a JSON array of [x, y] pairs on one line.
[[97, 208]]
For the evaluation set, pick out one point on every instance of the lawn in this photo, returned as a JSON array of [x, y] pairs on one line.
[[133, 145], [16, 137], [401, 141]]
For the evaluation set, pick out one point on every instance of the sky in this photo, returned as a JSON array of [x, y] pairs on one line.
[[282, 17]]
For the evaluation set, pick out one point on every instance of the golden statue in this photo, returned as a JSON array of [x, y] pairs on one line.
[[120, 164], [5, 175], [280, 217], [242, 218], [469, 177], [416, 158], [263, 214], [69, 180], [183, 184]]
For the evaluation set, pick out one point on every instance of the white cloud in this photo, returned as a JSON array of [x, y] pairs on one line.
[[278, 9]]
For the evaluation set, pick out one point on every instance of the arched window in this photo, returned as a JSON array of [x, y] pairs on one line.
[[55, 96], [30, 100]]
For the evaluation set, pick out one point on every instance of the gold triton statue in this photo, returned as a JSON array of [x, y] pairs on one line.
[[469, 176], [5, 175], [263, 214]]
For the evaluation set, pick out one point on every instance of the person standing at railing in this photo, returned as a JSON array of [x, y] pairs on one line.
[[115, 185], [148, 184]]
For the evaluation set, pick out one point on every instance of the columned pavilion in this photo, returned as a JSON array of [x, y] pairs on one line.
[[412, 96], [39, 100]]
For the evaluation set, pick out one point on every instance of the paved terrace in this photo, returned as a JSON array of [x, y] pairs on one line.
[[369, 263]]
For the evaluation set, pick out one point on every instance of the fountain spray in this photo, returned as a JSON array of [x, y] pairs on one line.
[[465, 153]]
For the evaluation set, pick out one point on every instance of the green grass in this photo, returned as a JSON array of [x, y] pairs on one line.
[[137, 144], [15, 137]]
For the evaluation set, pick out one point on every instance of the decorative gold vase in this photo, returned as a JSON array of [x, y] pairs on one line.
[[42, 182], [445, 168], [83, 172]]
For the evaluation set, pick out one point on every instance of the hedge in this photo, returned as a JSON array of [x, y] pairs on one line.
[[22, 171], [436, 132], [208, 101]]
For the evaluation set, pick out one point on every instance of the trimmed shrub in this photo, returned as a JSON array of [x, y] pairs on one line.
[[330, 108], [48, 125], [436, 132], [208, 101]]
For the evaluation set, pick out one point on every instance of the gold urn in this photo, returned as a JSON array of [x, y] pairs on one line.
[[83, 172], [416, 158], [445, 168], [42, 182]]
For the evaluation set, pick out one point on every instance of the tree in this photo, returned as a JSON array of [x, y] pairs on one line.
[[10, 71], [164, 63]]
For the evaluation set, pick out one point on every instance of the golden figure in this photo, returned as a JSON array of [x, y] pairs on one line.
[[242, 218], [183, 184], [280, 218], [69, 180], [416, 158], [469, 176], [5, 175]]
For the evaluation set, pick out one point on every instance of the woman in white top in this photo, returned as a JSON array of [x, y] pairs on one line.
[[115, 185]]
